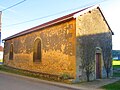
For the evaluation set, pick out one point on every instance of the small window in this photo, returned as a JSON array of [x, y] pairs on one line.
[[11, 52], [37, 51]]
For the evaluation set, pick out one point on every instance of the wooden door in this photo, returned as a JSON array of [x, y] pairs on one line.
[[98, 65]]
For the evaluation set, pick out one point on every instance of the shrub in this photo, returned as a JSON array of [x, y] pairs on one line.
[[65, 76]]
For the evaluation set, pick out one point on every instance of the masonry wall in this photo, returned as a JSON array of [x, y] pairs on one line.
[[58, 50], [92, 32]]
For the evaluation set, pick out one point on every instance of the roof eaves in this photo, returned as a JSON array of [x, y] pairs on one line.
[[105, 20], [58, 20], [35, 29], [85, 11]]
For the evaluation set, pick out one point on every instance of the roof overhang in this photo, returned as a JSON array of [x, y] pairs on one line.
[[85, 11], [58, 20], [90, 9]]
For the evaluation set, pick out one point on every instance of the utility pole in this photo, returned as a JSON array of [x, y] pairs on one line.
[[0, 26], [1, 48]]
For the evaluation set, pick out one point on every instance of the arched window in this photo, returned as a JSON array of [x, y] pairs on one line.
[[37, 51], [11, 52]]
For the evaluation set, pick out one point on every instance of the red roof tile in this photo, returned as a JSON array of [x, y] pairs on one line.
[[58, 20]]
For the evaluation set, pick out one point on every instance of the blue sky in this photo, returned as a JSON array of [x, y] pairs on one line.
[[32, 9]]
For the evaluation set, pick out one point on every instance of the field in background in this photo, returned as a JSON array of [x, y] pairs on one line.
[[116, 85], [1, 61], [116, 62]]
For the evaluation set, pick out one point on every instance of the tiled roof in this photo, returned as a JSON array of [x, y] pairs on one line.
[[44, 25], [55, 21]]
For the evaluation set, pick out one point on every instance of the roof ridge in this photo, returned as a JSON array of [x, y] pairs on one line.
[[46, 24]]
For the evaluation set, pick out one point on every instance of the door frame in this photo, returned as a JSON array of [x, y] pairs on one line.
[[98, 66], [99, 54]]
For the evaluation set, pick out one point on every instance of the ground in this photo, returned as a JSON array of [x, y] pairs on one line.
[[94, 85]]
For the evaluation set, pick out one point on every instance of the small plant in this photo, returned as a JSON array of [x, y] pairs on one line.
[[65, 76]]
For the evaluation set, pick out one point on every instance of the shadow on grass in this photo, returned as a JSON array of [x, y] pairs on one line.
[[116, 66], [112, 86], [116, 85]]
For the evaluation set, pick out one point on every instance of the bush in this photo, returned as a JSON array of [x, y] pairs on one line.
[[65, 76]]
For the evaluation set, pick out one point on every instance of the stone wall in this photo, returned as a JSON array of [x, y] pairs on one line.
[[58, 50], [64, 47], [92, 32]]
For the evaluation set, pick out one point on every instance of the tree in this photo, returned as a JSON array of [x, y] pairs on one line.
[[107, 57], [87, 56], [115, 53]]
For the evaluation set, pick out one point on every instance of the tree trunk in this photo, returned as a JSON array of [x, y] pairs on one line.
[[88, 79], [88, 76], [107, 74]]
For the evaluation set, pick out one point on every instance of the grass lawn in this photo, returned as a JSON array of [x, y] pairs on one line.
[[116, 85], [116, 64], [56, 78], [113, 86]]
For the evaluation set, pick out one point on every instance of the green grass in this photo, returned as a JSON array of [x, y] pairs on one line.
[[7, 69], [31, 74], [116, 66], [112, 86], [116, 74], [116, 85]]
